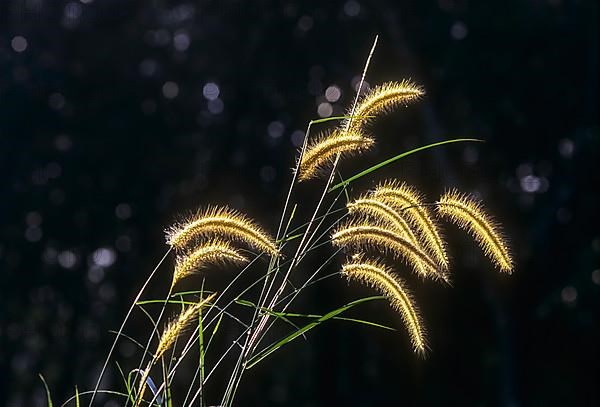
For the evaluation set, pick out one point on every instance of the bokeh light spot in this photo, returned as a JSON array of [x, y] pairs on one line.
[[19, 43]]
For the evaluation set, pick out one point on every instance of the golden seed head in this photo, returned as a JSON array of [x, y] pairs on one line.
[[380, 277], [322, 152], [362, 234], [409, 203], [224, 223], [215, 251], [176, 327], [383, 99], [468, 214]]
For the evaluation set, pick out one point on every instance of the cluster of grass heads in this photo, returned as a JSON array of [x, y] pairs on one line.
[[375, 233]]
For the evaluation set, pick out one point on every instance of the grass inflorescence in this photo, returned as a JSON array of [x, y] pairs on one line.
[[379, 234]]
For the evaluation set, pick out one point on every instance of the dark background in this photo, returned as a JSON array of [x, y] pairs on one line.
[[111, 127]]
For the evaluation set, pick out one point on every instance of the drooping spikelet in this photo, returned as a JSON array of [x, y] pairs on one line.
[[371, 206], [382, 99], [323, 151], [224, 223], [362, 234], [213, 252], [409, 202], [171, 332], [177, 326], [380, 277], [468, 214]]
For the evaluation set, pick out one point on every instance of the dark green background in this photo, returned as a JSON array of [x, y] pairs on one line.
[[85, 127]]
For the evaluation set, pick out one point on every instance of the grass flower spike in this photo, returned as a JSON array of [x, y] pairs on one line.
[[380, 277], [409, 202], [167, 339], [363, 234], [212, 252], [224, 223], [369, 206], [323, 151], [468, 214], [383, 99], [176, 327]]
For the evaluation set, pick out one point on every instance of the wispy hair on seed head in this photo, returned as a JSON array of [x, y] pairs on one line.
[[380, 277], [369, 206], [408, 202], [215, 251], [363, 234], [321, 152], [468, 214], [223, 223], [178, 326], [383, 99]]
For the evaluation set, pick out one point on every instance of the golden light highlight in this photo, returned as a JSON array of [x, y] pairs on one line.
[[383, 99], [368, 235], [380, 277], [213, 252], [365, 206], [468, 214], [224, 223], [410, 204], [323, 151]]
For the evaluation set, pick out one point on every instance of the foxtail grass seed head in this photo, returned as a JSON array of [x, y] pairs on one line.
[[178, 326], [380, 277], [367, 206], [361, 234], [212, 252], [468, 214], [409, 203], [381, 100], [322, 152], [223, 223]]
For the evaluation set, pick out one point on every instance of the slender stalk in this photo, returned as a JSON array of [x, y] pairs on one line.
[[112, 348]]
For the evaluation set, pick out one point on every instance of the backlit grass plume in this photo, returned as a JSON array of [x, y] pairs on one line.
[[215, 251], [168, 337], [363, 234], [380, 277], [224, 223], [468, 214], [408, 201], [322, 152], [383, 99], [367, 206]]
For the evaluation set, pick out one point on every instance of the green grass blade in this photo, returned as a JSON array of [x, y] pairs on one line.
[[262, 355], [332, 118], [49, 399], [365, 322], [396, 158], [76, 396], [127, 383]]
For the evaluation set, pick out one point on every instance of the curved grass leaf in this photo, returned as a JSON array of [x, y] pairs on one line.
[[49, 399], [396, 158], [262, 355]]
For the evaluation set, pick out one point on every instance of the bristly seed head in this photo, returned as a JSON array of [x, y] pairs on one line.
[[362, 234], [408, 202], [213, 252], [379, 276], [382, 99], [223, 223], [322, 152], [468, 214], [176, 327]]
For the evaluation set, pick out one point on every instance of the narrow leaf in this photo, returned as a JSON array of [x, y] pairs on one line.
[[396, 158]]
